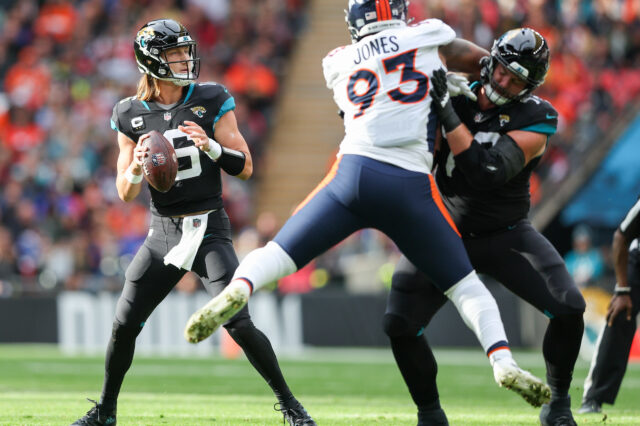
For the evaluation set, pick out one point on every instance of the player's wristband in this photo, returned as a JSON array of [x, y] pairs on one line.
[[617, 290], [215, 150], [131, 177]]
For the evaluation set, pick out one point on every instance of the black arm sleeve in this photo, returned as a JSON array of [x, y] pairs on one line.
[[488, 168], [232, 161]]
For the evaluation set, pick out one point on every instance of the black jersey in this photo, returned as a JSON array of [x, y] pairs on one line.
[[630, 226], [483, 211], [198, 186]]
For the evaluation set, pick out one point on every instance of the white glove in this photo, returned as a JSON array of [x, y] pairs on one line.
[[459, 85]]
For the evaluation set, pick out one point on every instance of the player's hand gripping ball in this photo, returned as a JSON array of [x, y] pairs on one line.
[[160, 166]]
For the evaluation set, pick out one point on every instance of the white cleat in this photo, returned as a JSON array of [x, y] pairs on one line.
[[211, 316], [509, 375]]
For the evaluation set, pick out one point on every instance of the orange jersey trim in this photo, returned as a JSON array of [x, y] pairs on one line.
[[438, 199], [328, 178]]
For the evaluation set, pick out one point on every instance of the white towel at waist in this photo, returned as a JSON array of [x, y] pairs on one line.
[[184, 253]]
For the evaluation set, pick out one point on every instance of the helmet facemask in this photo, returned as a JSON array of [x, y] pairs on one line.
[[524, 53], [153, 42]]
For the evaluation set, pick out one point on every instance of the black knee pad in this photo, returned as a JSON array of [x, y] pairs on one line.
[[398, 326], [125, 332]]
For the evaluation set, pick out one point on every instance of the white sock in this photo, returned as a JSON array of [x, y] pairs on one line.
[[501, 355], [479, 310], [263, 266]]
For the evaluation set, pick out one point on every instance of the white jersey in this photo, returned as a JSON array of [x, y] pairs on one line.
[[381, 83]]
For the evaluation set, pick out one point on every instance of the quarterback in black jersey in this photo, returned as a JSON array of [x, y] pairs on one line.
[[493, 144], [189, 231]]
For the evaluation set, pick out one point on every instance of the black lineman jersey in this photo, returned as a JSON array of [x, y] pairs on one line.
[[478, 211], [198, 186]]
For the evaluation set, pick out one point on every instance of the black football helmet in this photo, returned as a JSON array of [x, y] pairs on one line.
[[366, 17], [158, 36], [522, 51]]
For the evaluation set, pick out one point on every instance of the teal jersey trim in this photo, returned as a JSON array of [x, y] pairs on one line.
[[191, 87], [474, 84], [146, 105], [113, 126], [544, 128], [228, 105]]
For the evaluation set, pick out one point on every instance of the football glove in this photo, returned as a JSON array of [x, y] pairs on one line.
[[459, 85], [442, 101]]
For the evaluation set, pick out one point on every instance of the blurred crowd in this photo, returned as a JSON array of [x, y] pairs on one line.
[[64, 63]]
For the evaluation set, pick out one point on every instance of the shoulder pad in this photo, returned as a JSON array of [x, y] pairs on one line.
[[125, 104], [209, 90]]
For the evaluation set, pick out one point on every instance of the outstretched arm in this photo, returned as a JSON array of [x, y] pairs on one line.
[[463, 56]]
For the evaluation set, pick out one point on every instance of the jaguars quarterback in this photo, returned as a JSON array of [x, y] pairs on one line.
[[189, 230], [382, 178], [493, 143]]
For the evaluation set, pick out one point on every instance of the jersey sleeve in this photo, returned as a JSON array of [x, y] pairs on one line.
[[540, 115], [630, 226], [330, 67], [431, 33], [218, 100], [121, 120]]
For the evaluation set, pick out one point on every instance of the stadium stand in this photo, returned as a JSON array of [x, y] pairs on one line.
[[64, 63]]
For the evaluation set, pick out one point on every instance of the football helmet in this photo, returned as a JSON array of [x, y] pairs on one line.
[[366, 17], [151, 43], [522, 51]]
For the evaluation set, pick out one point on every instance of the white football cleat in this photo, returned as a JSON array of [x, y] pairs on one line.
[[509, 375], [216, 312]]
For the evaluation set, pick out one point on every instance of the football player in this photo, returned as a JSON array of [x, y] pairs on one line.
[[190, 230], [493, 145], [381, 178], [610, 360]]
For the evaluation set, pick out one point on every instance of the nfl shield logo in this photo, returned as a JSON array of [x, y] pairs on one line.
[[196, 223], [167, 116]]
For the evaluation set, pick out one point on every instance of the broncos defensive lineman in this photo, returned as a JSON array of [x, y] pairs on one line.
[[494, 143], [382, 179], [189, 230]]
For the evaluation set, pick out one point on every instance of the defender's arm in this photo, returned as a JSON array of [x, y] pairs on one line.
[[463, 56]]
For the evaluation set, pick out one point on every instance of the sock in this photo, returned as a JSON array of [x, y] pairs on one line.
[[117, 362], [259, 352], [419, 370], [479, 310], [264, 265]]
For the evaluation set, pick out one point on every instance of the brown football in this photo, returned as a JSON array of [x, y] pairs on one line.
[[161, 164]]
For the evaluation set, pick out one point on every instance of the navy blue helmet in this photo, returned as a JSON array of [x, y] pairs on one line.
[[156, 37], [522, 51], [366, 17]]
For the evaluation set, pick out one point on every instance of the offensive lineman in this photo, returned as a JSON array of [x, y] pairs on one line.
[[381, 178], [190, 230], [483, 174]]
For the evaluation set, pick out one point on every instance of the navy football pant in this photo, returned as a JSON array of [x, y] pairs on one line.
[[360, 192]]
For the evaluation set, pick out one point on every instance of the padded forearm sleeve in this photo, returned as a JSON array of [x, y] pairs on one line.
[[488, 168], [232, 161]]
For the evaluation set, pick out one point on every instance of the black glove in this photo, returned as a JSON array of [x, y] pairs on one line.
[[441, 102]]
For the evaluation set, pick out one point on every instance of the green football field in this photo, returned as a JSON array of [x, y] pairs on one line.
[[39, 386]]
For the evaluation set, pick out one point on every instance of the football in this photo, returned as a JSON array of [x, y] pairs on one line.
[[161, 164]]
